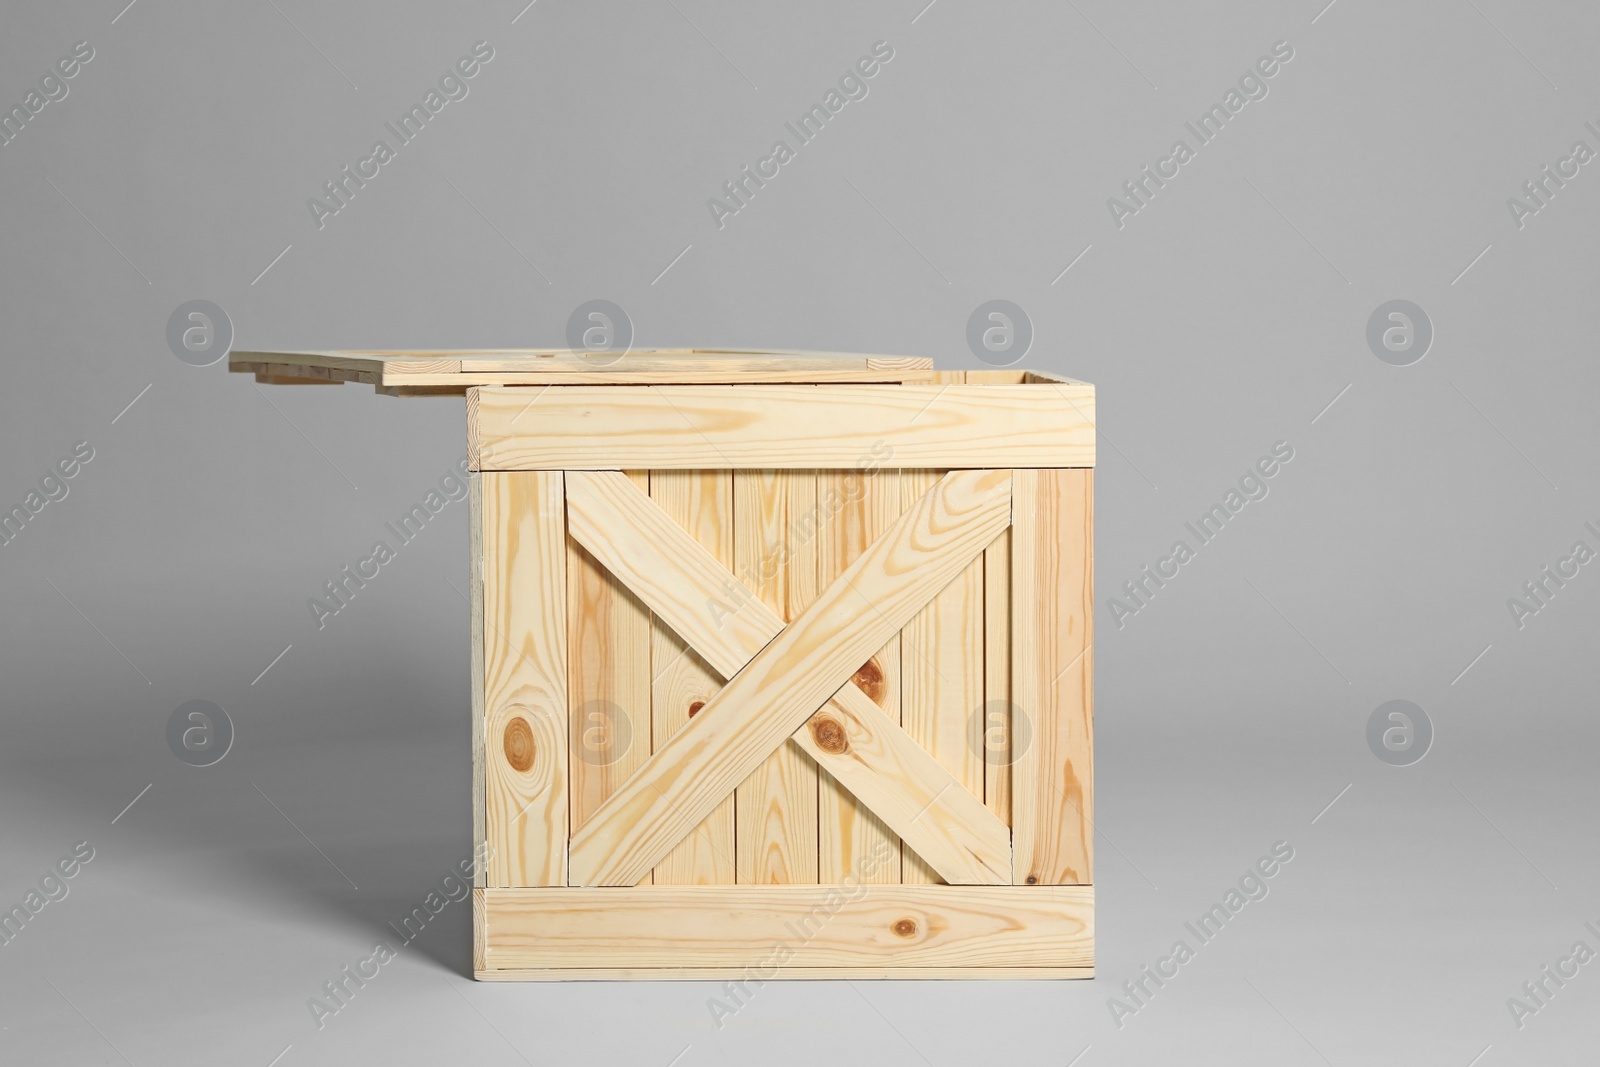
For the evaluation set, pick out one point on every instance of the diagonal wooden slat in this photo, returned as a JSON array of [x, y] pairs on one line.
[[781, 675], [866, 749], [898, 781]]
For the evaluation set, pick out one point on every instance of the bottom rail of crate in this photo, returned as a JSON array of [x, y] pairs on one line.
[[784, 932]]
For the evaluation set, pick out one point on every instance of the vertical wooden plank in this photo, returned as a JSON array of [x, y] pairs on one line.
[[857, 507], [775, 554], [681, 682], [1052, 560], [480, 931], [993, 728], [475, 623], [524, 617], [941, 676], [608, 680]]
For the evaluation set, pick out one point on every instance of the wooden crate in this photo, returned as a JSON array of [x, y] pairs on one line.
[[781, 662]]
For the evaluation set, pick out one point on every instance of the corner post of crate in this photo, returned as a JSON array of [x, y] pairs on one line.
[[522, 748], [1052, 676], [475, 571]]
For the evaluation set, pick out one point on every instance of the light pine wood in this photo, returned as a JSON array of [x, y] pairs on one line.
[[866, 750], [790, 927], [608, 684], [475, 569], [1052, 553], [942, 823], [941, 680], [858, 506], [775, 555], [480, 933], [284, 376], [782, 426], [524, 611], [681, 682], [790, 678], [580, 370], [876, 696], [453, 372], [994, 726], [996, 377], [855, 972]]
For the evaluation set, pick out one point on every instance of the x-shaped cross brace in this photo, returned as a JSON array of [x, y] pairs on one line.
[[780, 675]]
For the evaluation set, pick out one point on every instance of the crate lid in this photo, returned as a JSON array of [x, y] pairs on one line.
[[451, 372]]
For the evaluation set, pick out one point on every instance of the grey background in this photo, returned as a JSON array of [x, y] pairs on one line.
[[1222, 318]]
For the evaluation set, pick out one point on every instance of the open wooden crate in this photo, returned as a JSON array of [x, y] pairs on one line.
[[781, 662]]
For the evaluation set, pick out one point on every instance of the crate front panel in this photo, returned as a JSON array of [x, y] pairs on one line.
[[616, 607]]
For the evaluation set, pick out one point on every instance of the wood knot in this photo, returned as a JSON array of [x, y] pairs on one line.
[[905, 928], [1033, 879], [519, 744], [829, 735], [869, 679], [694, 708]]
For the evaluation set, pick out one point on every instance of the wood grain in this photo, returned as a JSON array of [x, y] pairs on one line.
[[702, 504], [525, 697], [608, 683], [858, 973], [480, 932], [775, 555], [784, 929], [790, 427], [941, 680], [858, 507], [475, 570], [941, 822], [851, 738], [449, 372], [790, 678], [1052, 680], [994, 726]]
